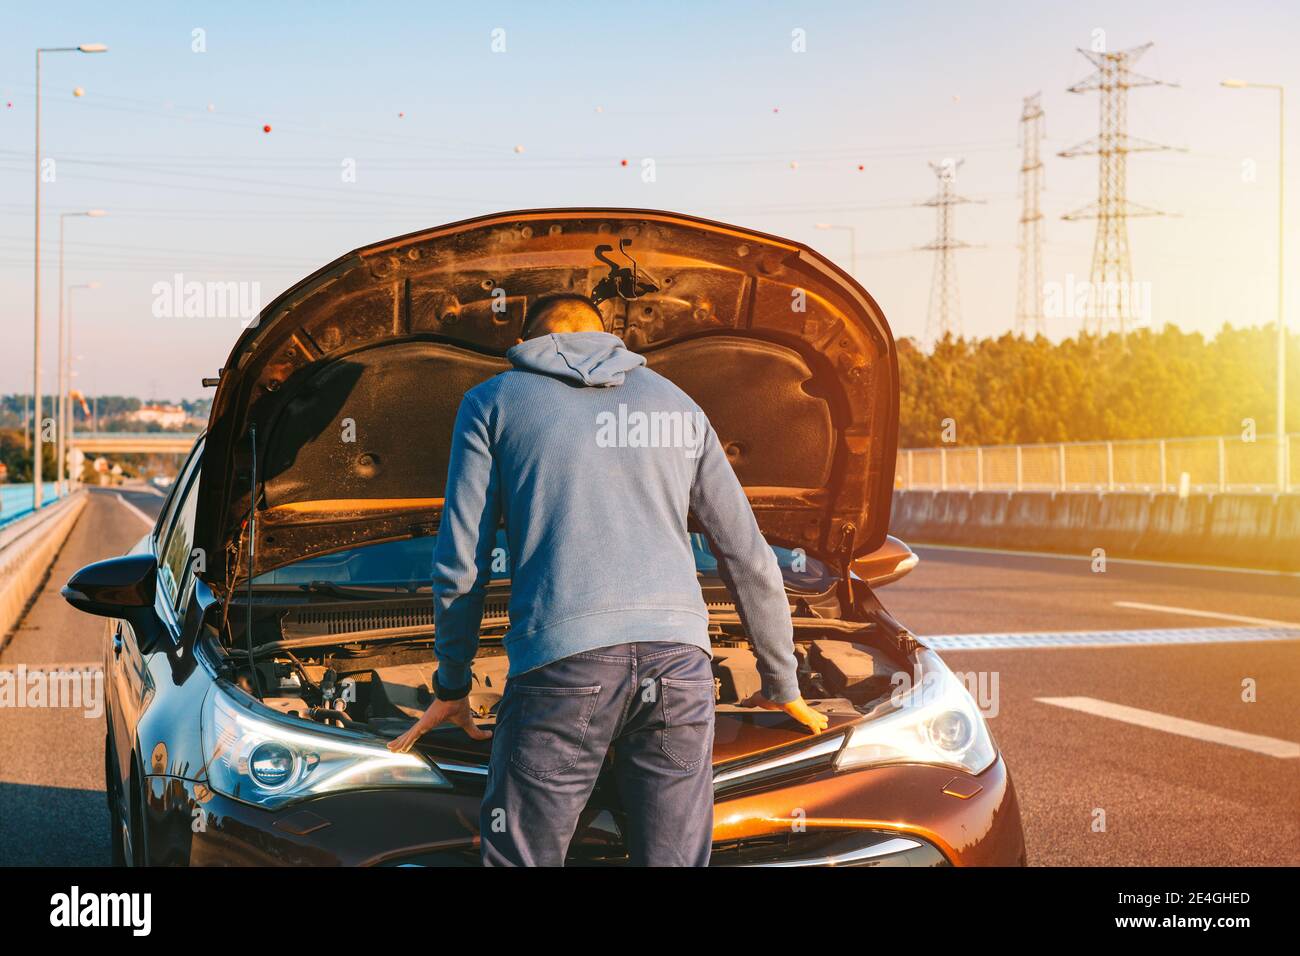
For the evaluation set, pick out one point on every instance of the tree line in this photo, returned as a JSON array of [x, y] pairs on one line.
[[1163, 383]]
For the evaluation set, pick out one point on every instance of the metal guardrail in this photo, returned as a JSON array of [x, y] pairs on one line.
[[1149, 465], [16, 499]]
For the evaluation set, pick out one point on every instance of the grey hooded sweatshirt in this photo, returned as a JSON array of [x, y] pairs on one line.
[[594, 461]]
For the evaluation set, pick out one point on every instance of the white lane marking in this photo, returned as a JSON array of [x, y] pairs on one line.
[[1158, 636], [1269, 746], [138, 513], [1088, 557], [1191, 612]]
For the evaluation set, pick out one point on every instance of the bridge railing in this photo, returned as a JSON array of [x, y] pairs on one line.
[[16, 499], [92, 443], [1211, 464]]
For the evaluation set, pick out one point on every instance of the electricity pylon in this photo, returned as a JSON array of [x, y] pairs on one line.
[[1112, 270], [944, 315], [1029, 297]]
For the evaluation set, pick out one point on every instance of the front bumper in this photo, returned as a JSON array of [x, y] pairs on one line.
[[903, 815], [971, 819]]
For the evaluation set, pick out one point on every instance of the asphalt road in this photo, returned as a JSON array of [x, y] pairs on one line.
[[1164, 798], [1167, 799], [52, 808]]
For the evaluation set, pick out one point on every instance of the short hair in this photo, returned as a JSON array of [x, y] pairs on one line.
[[542, 305]]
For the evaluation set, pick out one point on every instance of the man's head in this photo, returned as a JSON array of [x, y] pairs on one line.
[[561, 312]]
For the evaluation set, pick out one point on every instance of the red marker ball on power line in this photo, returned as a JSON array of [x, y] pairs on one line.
[[622, 162], [266, 129]]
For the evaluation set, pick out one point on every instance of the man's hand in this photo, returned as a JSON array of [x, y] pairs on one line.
[[440, 712], [797, 708]]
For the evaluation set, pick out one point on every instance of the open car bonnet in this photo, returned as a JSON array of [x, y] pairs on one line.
[[351, 379]]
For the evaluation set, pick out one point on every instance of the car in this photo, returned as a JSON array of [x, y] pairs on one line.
[[274, 630]]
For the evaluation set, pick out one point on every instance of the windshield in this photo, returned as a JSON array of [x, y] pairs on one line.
[[406, 564]]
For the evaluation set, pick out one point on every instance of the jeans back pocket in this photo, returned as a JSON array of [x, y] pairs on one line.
[[688, 708], [550, 726]]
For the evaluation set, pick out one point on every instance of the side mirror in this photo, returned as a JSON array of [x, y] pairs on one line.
[[887, 564], [118, 587]]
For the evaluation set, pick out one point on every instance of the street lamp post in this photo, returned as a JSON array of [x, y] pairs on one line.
[[1282, 478], [65, 397], [853, 244], [64, 383], [37, 448]]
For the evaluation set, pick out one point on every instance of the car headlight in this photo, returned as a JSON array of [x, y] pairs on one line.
[[270, 762], [935, 721]]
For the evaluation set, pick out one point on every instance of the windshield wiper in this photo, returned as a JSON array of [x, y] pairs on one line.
[[348, 590]]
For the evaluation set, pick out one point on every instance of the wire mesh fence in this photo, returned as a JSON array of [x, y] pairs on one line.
[[1236, 464]]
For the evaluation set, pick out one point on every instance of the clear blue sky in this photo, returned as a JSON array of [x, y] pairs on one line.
[[170, 141]]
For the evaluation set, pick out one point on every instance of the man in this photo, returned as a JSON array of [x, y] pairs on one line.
[[608, 641]]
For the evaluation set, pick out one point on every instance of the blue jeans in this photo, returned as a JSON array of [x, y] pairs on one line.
[[652, 705]]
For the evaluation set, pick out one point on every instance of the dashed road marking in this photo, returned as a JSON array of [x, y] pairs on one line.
[[1256, 743], [1150, 636], [1193, 612], [1144, 562]]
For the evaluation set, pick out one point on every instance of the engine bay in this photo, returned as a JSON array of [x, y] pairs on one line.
[[371, 666]]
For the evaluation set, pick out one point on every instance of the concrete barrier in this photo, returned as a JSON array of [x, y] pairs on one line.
[[1238, 530], [27, 550]]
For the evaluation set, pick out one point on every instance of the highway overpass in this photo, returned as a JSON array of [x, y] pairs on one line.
[[127, 443]]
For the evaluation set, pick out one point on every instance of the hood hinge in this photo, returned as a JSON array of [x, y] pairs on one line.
[[844, 557]]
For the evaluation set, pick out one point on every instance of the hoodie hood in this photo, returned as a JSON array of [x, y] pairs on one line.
[[588, 358]]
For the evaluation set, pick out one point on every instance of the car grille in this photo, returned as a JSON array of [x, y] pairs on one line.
[[814, 848], [800, 760], [829, 847]]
